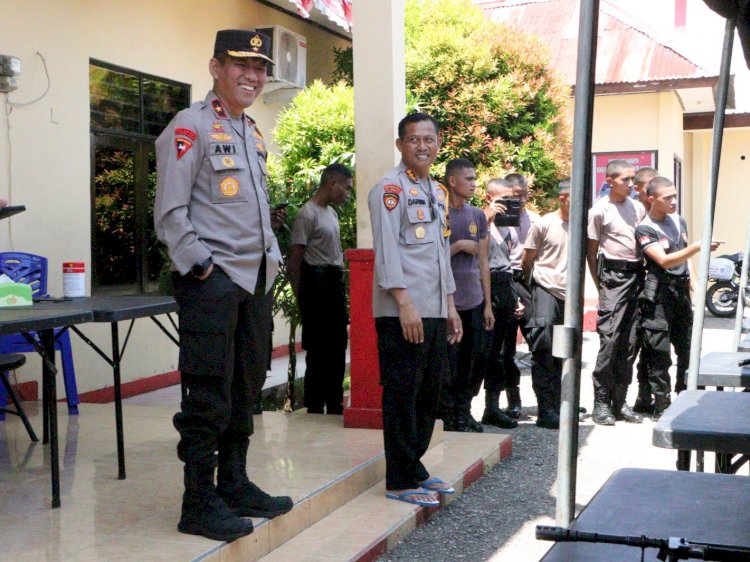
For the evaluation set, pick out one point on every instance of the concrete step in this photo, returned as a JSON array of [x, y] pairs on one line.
[[370, 525]]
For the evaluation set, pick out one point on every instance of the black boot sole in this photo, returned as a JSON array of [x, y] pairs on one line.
[[258, 513], [194, 529]]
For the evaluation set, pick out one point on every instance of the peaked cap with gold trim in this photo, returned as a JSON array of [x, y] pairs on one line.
[[243, 43]]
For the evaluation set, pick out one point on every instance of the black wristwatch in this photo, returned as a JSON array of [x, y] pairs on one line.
[[199, 269]]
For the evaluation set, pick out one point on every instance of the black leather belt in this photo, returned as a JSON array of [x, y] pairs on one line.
[[501, 272], [518, 276], [622, 265], [680, 282], [322, 268]]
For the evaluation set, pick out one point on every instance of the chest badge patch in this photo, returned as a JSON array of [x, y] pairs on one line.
[[419, 232], [414, 191], [228, 162], [217, 127], [420, 214], [182, 146], [229, 187], [221, 136], [473, 229]]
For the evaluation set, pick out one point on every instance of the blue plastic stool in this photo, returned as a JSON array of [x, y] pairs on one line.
[[32, 270]]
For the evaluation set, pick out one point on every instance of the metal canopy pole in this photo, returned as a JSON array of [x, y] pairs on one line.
[[708, 221], [568, 337]]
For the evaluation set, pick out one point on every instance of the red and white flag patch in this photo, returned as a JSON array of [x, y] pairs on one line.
[[182, 146], [643, 240]]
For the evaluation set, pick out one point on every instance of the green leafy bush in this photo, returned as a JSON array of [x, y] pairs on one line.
[[315, 130], [490, 87]]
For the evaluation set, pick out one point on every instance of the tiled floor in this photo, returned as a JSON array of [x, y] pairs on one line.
[[312, 458], [103, 518]]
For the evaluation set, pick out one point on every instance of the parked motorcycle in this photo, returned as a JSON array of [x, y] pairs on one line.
[[721, 297]]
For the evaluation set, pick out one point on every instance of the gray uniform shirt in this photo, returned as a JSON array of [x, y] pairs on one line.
[[519, 234], [411, 239], [500, 245], [211, 198], [317, 229]]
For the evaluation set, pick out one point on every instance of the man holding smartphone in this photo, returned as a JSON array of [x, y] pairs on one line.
[[316, 271]]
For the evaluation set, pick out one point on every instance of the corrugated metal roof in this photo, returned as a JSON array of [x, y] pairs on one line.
[[627, 52]]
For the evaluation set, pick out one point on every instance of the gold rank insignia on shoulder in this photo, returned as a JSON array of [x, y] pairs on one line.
[[419, 232], [411, 175], [229, 187], [218, 109]]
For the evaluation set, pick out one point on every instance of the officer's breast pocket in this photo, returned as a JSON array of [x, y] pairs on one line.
[[417, 227], [229, 174]]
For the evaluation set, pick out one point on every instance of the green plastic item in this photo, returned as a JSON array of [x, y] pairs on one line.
[[15, 294]]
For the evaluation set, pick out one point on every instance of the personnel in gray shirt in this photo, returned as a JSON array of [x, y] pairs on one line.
[[315, 268], [212, 212], [412, 303]]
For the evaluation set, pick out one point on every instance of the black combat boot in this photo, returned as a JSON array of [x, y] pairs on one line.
[[493, 415], [242, 496], [661, 403], [620, 409], [513, 394], [203, 511], [602, 414], [465, 423], [643, 403], [548, 415]]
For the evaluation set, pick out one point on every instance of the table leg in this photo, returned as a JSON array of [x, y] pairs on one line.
[[45, 409], [723, 463], [118, 402], [48, 342], [683, 460]]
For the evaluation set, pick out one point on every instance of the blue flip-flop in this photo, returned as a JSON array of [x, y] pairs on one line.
[[407, 497], [430, 485]]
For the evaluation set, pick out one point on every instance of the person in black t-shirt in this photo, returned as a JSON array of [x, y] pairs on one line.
[[665, 306]]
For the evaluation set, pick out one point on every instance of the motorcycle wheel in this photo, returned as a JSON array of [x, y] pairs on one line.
[[721, 299]]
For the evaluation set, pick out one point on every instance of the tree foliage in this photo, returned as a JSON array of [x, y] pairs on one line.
[[315, 130], [490, 87]]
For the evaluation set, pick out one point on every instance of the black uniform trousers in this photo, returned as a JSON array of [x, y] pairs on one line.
[[465, 364], [667, 320], [411, 375], [522, 292], [616, 326], [546, 370], [224, 351], [322, 304], [501, 369]]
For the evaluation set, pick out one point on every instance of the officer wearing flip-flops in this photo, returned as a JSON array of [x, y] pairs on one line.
[[415, 318], [213, 214]]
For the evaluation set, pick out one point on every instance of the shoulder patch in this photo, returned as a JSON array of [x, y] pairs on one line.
[[392, 188], [182, 146], [186, 133], [390, 200]]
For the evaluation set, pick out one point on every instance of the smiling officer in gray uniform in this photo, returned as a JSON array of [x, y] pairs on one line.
[[412, 303], [212, 212]]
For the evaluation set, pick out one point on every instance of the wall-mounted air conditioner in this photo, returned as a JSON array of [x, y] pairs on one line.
[[289, 52]]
